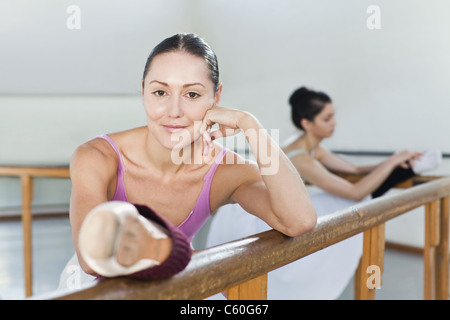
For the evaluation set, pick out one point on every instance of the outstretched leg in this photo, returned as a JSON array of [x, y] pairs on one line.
[[118, 238]]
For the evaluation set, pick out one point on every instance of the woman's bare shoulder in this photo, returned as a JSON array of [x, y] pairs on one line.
[[95, 155], [94, 148], [99, 149], [321, 151]]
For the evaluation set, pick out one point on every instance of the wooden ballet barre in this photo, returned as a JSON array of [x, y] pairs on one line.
[[26, 174], [241, 266]]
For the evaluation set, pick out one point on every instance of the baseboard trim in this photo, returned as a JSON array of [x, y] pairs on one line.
[[38, 211], [403, 247]]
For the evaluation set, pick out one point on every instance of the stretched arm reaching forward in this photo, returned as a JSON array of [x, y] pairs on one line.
[[316, 172]]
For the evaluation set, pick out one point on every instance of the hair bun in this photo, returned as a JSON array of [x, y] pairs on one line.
[[300, 94], [306, 104]]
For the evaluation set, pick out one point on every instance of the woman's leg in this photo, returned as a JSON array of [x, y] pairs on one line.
[[428, 161], [119, 238], [398, 175]]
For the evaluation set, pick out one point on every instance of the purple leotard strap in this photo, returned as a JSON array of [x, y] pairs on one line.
[[121, 193], [202, 209]]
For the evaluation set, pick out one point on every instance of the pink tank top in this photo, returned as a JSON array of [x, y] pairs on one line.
[[201, 212]]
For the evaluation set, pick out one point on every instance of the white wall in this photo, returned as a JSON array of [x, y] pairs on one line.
[[60, 87], [390, 86]]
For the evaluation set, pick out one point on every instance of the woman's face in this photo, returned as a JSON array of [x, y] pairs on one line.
[[324, 123], [177, 93]]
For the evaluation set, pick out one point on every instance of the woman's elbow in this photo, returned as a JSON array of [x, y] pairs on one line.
[[303, 225], [357, 196], [354, 193]]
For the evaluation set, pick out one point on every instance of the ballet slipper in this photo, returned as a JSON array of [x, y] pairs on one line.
[[121, 239]]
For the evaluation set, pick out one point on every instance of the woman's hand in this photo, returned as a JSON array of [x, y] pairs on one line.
[[230, 122], [404, 158]]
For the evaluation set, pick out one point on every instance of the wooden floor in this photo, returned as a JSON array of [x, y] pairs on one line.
[[402, 278], [52, 247]]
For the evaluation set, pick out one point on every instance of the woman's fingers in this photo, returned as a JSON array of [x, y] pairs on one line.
[[208, 120], [406, 158], [225, 118], [207, 142], [405, 165]]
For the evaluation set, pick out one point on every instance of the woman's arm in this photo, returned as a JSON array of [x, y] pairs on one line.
[[91, 171], [315, 173], [337, 164], [273, 189]]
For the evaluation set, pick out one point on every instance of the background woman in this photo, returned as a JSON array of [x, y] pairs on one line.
[[313, 113], [326, 273]]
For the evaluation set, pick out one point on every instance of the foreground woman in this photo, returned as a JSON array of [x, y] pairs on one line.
[[175, 172]]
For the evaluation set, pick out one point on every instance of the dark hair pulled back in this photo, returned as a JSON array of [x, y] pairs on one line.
[[306, 104], [192, 44]]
